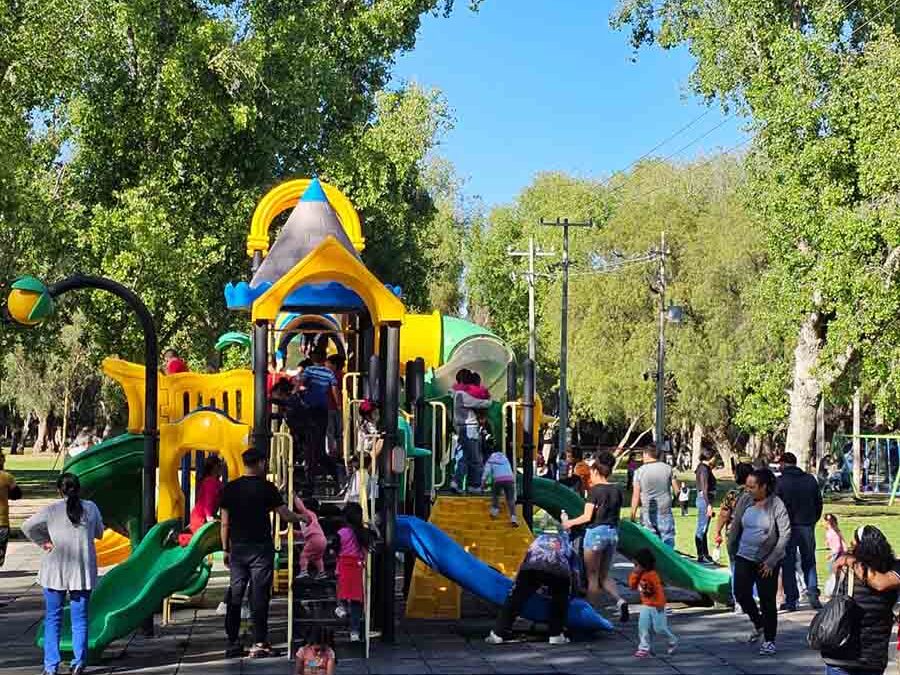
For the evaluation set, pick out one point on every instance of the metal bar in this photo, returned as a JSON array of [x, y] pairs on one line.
[[390, 384], [261, 408], [661, 355], [528, 442], [435, 406]]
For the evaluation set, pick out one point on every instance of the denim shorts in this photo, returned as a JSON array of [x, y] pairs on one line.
[[601, 538]]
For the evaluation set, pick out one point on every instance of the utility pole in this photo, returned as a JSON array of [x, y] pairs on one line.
[[530, 277], [661, 351], [564, 330]]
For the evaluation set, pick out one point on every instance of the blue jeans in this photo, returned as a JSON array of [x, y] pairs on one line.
[[471, 464], [78, 603], [702, 519], [652, 620], [662, 524], [837, 670], [803, 538]]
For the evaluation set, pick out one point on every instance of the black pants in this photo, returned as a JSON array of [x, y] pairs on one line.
[[316, 434], [746, 574], [527, 583], [253, 564]]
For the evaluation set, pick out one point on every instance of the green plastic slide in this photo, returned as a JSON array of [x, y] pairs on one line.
[[134, 590], [110, 475], [674, 568]]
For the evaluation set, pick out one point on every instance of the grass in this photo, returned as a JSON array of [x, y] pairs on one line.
[[35, 474], [16, 463]]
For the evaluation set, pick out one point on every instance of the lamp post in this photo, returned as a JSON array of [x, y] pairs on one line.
[[673, 314], [31, 302]]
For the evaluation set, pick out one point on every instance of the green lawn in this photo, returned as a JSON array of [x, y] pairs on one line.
[[16, 463], [35, 474]]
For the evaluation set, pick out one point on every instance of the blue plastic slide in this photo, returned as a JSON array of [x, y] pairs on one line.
[[445, 556]]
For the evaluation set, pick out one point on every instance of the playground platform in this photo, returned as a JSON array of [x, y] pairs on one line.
[[194, 645]]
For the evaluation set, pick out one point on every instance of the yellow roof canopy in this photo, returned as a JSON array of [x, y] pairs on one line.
[[330, 261]]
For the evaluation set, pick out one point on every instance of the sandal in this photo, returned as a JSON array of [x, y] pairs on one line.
[[261, 651]]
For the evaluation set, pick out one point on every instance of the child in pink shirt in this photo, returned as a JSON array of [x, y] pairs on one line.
[[354, 541], [833, 538], [312, 557]]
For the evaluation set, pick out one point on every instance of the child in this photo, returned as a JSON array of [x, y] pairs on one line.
[[8, 491], [316, 657], [499, 469], [352, 494], [653, 603], [684, 495], [209, 496], [312, 556], [833, 538], [354, 541]]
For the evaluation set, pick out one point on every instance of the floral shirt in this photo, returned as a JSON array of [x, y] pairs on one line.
[[730, 501]]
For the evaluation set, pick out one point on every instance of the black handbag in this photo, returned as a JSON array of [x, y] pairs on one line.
[[834, 630]]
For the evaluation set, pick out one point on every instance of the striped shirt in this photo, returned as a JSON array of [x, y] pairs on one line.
[[318, 380]]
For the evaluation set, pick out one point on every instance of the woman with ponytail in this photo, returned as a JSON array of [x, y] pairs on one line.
[[66, 530]]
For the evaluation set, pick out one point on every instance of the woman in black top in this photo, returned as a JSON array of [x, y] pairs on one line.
[[706, 490], [601, 512], [871, 560]]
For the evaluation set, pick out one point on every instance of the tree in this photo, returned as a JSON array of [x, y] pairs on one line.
[[170, 120], [815, 79]]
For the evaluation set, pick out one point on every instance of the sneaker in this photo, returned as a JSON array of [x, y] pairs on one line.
[[340, 612], [513, 521], [493, 639], [560, 639], [303, 575], [77, 670], [787, 607], [623, 612], [474, 491], [261, 650], [245, 612], [321, 575], [222, 609], [672, 647], [234, 650], [767, 649], [642, 653], [354, 636], [454, 487], [754, 636], [494, 512]]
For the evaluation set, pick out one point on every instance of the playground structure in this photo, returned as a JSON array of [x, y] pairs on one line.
[[312, 280], [880, 472]]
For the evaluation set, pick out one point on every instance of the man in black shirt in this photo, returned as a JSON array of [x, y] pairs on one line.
[[249, 550]]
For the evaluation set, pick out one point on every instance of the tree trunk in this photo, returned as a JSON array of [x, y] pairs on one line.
[[696, 445], [723, 446], [631, 426], [40, 441], [805, 393]]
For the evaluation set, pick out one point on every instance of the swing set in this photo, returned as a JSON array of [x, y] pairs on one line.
[[880, 472]]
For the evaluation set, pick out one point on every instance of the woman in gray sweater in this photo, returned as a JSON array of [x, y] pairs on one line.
[[760, 530], [66, 530]]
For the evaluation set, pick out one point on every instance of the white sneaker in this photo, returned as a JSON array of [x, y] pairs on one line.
[[340, 612], [754, 636], [558, 639], [513, 520], [494, 512], [493, 639], [245, 612], [222, 609], [354, 636], [767, 649]]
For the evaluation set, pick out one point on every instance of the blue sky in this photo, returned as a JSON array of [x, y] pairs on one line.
[[539, 85]]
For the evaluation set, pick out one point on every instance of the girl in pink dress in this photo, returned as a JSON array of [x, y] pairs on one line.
[[354, 541], [311, 558]]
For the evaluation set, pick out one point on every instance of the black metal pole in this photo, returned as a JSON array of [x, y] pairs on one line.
[[373, 378], [366, 350], [511, 395], [420, 475], [151, 368], [389, 480], [528, 441], [261, 408]]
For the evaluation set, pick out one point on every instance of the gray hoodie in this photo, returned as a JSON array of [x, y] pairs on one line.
[[772, 549], [464, 406]]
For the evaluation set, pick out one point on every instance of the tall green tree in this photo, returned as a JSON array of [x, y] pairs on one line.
[[815, 80]]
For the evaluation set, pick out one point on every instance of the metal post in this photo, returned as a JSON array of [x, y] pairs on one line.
[[388, 478], [420, 507], [373, 378], [151, 373], [531, 277], [261, 409], [511, 395], [661, 354], [528, 441]]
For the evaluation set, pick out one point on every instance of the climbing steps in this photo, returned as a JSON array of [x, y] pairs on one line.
[[467, 521]]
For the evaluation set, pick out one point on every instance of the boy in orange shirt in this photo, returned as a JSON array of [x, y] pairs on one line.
[[647, 583]]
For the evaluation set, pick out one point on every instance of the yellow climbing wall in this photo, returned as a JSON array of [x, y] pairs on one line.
[[467, 521]]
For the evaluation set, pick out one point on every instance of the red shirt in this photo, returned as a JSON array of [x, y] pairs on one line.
[[209, 496], [176, 365]]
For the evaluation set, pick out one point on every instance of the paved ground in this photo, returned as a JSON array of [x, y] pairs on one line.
[[709, 643]]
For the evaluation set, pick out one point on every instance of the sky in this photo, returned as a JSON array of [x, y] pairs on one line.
[[547, 85]]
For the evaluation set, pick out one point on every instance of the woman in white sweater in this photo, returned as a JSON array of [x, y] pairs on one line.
[[66, 530]]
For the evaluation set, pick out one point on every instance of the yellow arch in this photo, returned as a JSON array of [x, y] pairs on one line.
[[284, 197], [201, 430], [330, 261]]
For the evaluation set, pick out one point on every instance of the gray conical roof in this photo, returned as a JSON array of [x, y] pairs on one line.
[[311, 221]]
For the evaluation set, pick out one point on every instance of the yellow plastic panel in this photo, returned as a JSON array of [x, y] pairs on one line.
[[330, 261], [231, 392], [112, 549], [284, 197], [421, 335], [201, 430]]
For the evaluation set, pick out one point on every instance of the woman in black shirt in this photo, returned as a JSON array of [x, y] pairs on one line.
[[601, 512]]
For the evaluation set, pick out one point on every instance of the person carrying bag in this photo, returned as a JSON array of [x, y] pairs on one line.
[[835, 629]]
